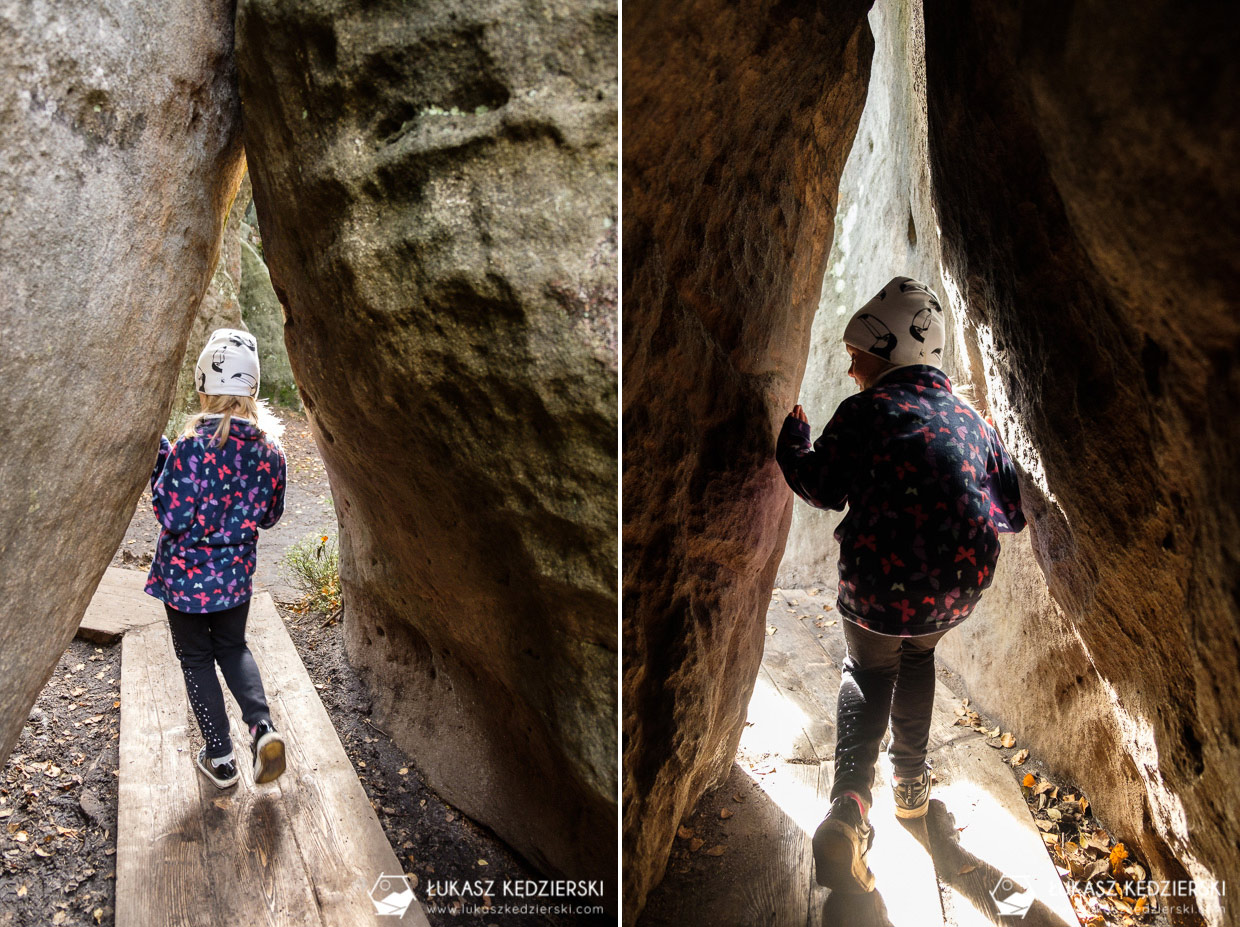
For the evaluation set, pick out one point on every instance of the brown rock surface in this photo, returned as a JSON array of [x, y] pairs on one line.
[[118, 160], [737, 122], [1085, 180], [436, 190]]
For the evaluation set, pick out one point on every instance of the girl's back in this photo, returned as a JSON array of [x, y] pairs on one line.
[[211, 501]]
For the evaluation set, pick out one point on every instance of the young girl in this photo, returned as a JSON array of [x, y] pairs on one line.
[[212, 490], [929, 488]]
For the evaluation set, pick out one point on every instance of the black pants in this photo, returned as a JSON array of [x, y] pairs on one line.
[[201, 641], [884, 677]]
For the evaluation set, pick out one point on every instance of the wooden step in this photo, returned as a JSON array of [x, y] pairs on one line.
[[306, 849], [118, 605]]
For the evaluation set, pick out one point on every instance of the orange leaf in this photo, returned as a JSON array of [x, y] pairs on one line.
[[1118, 855], [1029, 781]]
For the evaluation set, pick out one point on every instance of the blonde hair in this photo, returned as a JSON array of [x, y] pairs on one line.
[[226, 407]]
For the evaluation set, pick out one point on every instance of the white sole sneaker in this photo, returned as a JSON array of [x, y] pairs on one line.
[[268, 758], [209, 771]]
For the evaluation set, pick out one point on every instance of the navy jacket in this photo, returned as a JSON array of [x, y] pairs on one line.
[[928, 487], [210, 502]]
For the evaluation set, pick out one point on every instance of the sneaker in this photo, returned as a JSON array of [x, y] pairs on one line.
[[912, 795], [222, 774], [268, 752], [841, 844]]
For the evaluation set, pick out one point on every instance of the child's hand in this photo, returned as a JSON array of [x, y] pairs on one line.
[[799, 414]]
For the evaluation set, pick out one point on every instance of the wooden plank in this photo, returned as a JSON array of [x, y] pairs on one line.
[[118, 605], [161, 875], [343, 846], [304, 850], [980, 832]]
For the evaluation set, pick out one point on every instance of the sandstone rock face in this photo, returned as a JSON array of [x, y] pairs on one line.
[[738, 118], [264, 316], [1088, 196], [884, 227], [118, 161], [436, 190], [220, 308]]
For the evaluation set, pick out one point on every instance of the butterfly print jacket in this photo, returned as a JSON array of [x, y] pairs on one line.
[[928, 487], [210, 502]]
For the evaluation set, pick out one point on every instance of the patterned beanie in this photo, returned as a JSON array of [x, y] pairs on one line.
[[228, 365], [903, 325]]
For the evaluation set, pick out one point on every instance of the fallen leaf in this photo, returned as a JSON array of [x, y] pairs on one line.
[[1020, 757], [21, 891], [725, 813], [996, 742], [1029, 781], [695, 844], [1118, 855], [403, 771], [716, 850], [483, 862], [684, 833], [771, 629], [1009, 740]]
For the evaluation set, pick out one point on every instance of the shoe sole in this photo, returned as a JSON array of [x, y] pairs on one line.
[[269, 759], [218, 783], [838, 862]]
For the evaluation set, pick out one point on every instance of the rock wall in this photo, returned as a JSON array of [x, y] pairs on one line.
[[884, 227], [436, 190], [118, 161], [220, 308], [264, 316], [1089, 201], [738, 118]]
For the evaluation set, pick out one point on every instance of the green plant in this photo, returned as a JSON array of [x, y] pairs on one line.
[[313, 567]]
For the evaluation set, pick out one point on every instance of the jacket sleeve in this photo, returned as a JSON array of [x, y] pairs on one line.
[[1003, 487], [276, 507], [174, 490], [820, 474], [165, 448]]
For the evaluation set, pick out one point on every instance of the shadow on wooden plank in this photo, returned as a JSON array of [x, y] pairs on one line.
[[844, 909], [764, 874], [976, 880]]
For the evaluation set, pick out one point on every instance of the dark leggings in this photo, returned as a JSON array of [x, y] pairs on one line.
[[884, 677], [201, 641]]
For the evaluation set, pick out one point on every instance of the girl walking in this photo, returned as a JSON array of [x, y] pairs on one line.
[[212, 490], [929, 488]]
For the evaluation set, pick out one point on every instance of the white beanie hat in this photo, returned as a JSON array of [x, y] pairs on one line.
[[228, 365], [903, 325]]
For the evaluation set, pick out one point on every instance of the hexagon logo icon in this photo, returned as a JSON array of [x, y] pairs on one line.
[[1010, 901], [392, 895]]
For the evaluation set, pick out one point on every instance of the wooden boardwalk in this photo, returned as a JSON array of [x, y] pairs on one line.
[[939, 870], [306, 849]]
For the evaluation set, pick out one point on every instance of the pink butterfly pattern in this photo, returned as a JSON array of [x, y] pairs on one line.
[[210, 503], [928, 488]]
